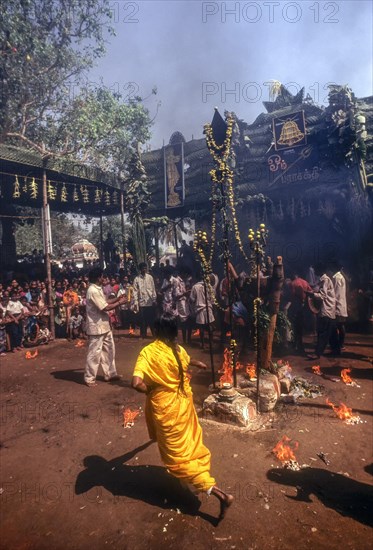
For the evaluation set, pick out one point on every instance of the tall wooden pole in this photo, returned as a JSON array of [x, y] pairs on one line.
[[124, 243], [47, 250], [226, 255], [101, 243], [176, 246], [209, 330], [156, 245], [257, 328]]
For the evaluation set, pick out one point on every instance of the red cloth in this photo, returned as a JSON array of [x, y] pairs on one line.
[[299, 287]]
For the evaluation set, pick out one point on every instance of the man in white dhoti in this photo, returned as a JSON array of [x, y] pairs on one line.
[[101, 347]]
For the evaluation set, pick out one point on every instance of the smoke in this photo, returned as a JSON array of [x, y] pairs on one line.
[[181, 46]]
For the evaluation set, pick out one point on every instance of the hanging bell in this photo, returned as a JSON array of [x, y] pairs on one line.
[[16, 189], [64, 194], [290, 134], [52, 191], [75, 195], [97, 195], [33, 189], [85, 193]]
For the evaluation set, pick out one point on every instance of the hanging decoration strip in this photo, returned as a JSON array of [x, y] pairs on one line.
[[51, 191], [57, 191], [16, 189], [64, 194]]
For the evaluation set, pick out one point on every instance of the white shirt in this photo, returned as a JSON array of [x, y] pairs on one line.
[[340, 294], [198, 303], [327, 295], [182, 303], [14, 308], [97, 319], [144, 290]]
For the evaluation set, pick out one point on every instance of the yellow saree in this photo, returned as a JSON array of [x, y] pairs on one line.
[[171, 417]]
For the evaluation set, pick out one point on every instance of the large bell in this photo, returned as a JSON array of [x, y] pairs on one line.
[[290, 134]]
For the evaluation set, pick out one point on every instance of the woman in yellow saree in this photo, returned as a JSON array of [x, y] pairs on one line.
[[161, 373]]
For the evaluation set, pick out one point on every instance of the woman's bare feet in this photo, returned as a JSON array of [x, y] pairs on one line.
[[225, 500]]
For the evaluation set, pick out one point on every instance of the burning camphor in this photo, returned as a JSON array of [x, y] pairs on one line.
[[129, 417], [80, 344], [31, 355], [346, 378], [251, 370], [226, 369], [286, 454], [344, 413], [316, 370]]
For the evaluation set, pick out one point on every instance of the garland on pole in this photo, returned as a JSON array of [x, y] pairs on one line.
[[223, 200]]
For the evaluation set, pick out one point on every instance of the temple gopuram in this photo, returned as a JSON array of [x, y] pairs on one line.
[[304, 170]]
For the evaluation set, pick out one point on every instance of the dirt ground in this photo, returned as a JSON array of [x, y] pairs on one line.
[[73, 478]]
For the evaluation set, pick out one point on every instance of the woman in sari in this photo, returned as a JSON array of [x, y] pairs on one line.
[[161, 373]]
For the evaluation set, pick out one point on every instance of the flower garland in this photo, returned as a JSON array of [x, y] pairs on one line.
[[257, 303], [200, 243], [222, 174], [213, 232], [235, 222], [219, 152]]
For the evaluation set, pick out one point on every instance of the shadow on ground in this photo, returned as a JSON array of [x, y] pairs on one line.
[[150, 484], [346, 496], [77, 376]]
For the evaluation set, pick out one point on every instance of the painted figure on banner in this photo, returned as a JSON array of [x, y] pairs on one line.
[[173, 177]]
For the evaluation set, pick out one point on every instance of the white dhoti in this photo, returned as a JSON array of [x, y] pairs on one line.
[[101, 351]]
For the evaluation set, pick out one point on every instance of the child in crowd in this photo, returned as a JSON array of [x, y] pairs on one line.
[[76, 324], [60, 318]]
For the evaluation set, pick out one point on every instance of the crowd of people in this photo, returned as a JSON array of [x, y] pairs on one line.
[[90, 305], [199, 307]]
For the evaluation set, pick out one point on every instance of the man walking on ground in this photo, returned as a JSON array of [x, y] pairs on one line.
[[145, 298], [101, 347], [326, 316], [339, 282]]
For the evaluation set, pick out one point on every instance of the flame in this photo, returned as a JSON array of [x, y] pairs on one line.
[[226, 368], [131, 332], [316, 370], [343, 412], [196, 332], [30, 355], [239, 365], [129, 417], [228, 334], [251, 370], [345, 376], [283, 451], [80, 344]]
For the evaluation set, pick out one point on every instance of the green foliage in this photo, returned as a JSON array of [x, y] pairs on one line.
[[44, 45], [283, 324], [29, 234], [137, 199], [47, 47], [100, 129]]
